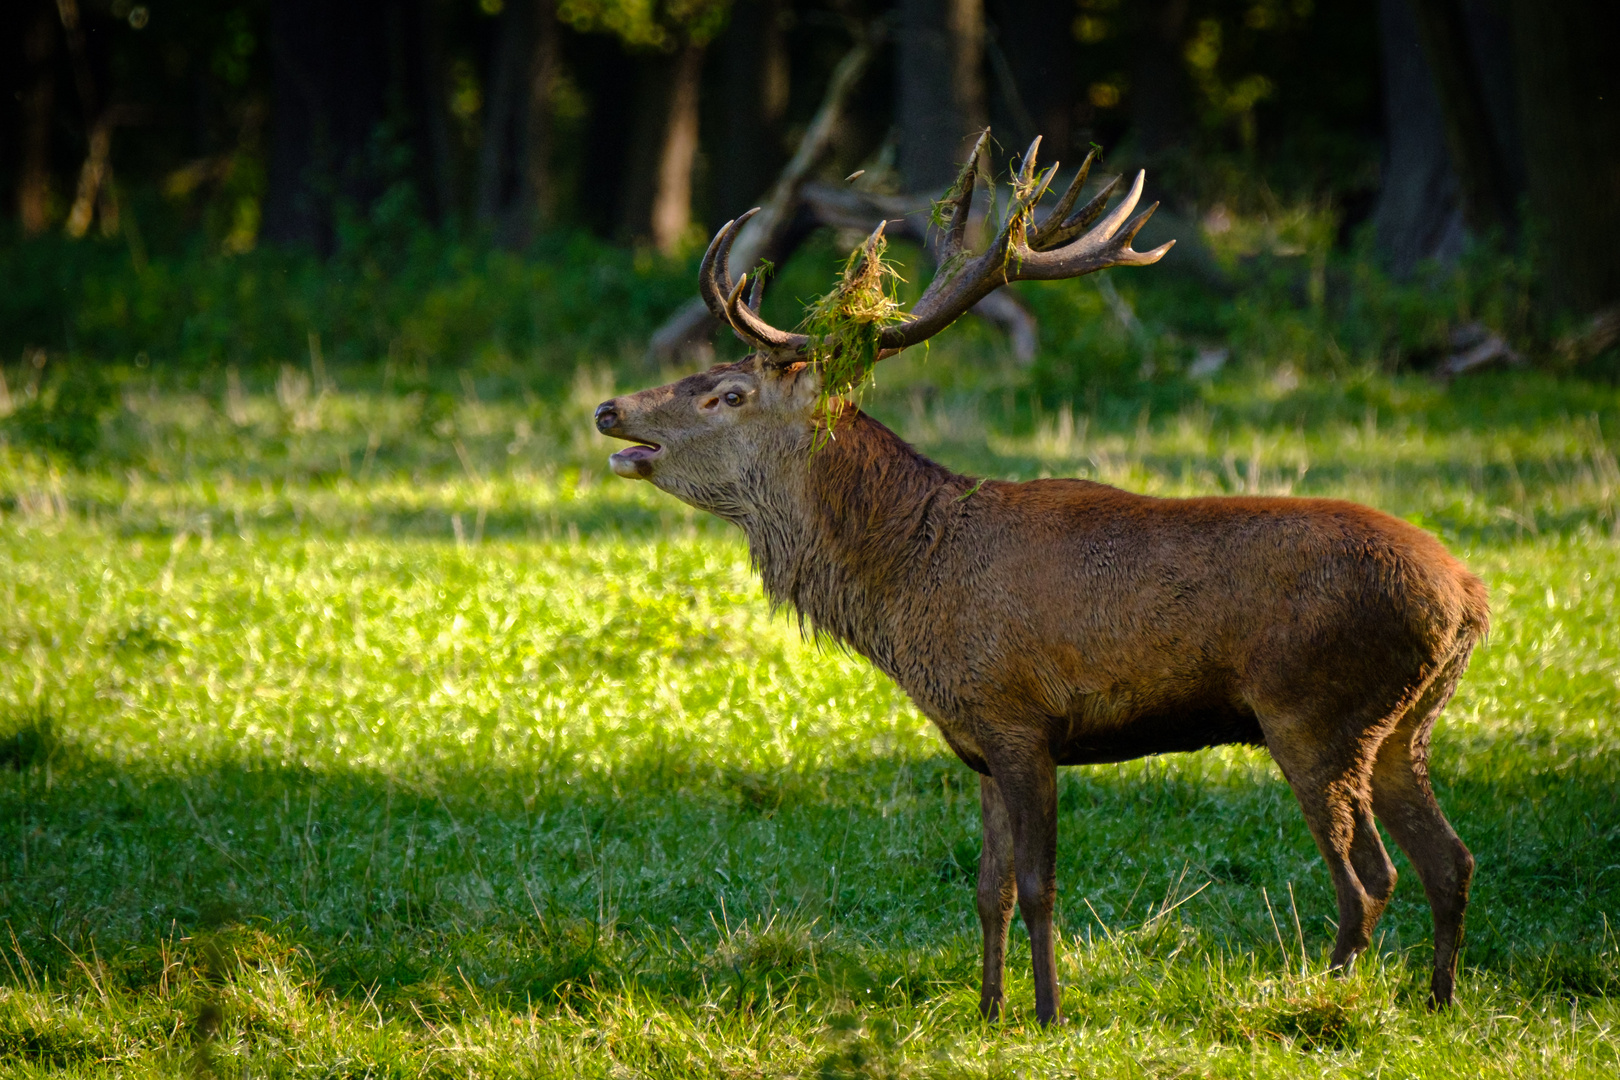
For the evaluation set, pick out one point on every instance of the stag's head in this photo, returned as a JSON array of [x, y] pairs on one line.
[[711, 439]]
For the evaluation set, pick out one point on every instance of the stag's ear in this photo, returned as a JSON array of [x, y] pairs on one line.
[[777, 363]]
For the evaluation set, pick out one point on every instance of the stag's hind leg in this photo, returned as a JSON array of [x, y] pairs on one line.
[[1331, 778], [1371, 863], [1405, 803]]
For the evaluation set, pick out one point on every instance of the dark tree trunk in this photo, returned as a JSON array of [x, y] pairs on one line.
[[514, 168], [1489, 26], [426, 96], [940, 99], [1452, 33], [329, 97], [1419, 212], [672, 198], [657, 165], [1569, 91], [343, 78], [1159, 97], [505, 106], [753, 85], [38, 105], [608, 76], [636, 168], [1035, 62], [539, 186]]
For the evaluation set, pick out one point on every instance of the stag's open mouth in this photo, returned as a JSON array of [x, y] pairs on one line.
[[635, 462]]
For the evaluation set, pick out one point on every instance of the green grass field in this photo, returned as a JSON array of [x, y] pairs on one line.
[[353, 732]]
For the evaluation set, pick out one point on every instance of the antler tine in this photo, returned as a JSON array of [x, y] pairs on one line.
[[1026, 168], [709, 287], [1043, 236], [1033, 186], [1010, 257], [723, 298], [714, 273], [755, 330], [872, 241], [1122, 239], [757, 294], [1106, 245], [1110, 224], [949, 295], [1079, 221], [961, 199]]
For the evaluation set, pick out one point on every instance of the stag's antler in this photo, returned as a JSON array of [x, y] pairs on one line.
[[1060, 246], [725, 299]]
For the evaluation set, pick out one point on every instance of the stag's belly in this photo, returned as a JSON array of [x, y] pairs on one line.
[[1171, 727], [1086, 719]]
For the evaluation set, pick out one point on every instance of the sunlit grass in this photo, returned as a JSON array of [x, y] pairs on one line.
[[352, 732]]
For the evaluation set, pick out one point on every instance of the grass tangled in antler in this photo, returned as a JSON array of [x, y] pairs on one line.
[[845, 323]]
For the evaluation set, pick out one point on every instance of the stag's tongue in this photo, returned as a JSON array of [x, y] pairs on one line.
[[634, 462]]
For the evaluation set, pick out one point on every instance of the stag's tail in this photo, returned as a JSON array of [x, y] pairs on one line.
[[1476, 622]]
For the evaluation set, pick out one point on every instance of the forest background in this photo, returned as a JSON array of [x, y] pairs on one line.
[[210, 183]]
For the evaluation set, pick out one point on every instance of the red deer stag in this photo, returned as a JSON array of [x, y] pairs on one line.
[[1064, 622]]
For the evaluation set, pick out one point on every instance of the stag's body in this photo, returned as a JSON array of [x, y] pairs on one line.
[[1105, 624], [1062, 622]]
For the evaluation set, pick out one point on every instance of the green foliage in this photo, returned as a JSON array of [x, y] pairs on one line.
[[63, 411], [420, 299], [659, 24], [368, 754]]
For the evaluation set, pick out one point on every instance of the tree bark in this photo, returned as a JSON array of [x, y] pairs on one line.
[[754, 79], [1035, 57], [672, 201], [1569, 94], [941, 102], [1419, 213], [39, 101], [515, 189], [330, 80], [1476, 157]]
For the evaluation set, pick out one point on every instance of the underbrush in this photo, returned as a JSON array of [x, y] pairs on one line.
[[426, 301], [1265, 294]]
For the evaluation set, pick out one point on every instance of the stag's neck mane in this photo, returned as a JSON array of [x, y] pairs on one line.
[[852, 527]]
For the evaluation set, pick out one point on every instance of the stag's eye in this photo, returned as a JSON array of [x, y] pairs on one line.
[[733, 398]]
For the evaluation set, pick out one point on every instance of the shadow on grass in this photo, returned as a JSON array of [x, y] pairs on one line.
[[678, 874]]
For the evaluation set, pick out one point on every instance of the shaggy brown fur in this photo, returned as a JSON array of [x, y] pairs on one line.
[[1063, 622]]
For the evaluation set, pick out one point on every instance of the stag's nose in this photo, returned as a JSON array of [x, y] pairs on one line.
[[607, 417]]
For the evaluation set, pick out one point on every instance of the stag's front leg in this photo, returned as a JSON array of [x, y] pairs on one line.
[[997, 893], [1026, 778]]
